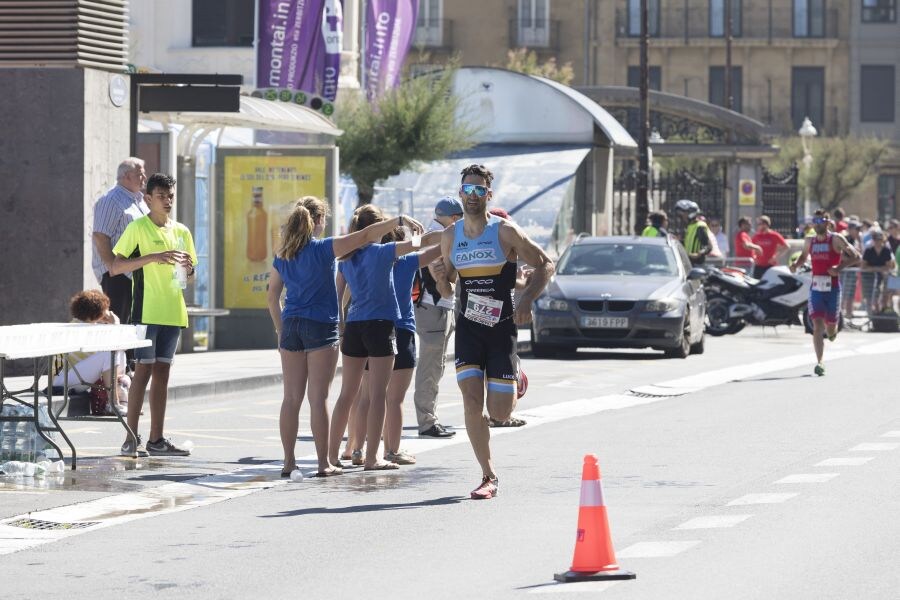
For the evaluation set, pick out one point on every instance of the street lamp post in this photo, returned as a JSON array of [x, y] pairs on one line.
[[643, 175], [807, 133]]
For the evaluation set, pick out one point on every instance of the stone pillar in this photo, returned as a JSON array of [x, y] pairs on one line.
[[62, 141]]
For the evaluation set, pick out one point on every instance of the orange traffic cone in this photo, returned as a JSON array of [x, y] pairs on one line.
[[594, 556]]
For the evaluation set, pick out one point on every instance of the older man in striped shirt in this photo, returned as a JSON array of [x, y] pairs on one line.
[[112, 213]]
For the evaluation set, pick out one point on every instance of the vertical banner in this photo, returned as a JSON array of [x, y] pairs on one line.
[[298, 57], [390, 27], [259, 192]]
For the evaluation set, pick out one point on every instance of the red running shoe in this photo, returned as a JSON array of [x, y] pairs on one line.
[[488, 489]]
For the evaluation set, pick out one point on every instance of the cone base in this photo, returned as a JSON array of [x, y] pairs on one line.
[[572, 576]]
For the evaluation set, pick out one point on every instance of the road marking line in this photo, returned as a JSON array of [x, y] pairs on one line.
[[188, 432], [656, 549], [209, 411], [761, 499], [714, 522], [891, 434], [574, 587], [875, 447], [844, 462], [808, 478], [266, 417]]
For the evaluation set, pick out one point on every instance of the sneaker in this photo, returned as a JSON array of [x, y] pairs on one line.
[[164, 447], [819, 370], [401, 457], [129, 450], [488, 489]]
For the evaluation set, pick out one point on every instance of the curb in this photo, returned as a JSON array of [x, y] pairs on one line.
[[246, 384]]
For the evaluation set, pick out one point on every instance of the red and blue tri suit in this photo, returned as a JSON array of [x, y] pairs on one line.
[[825, 293]]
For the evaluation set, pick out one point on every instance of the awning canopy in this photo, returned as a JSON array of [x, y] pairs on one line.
[[255, 113], [531, 183]]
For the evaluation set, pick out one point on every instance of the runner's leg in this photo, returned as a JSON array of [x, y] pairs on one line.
[[477, 428]]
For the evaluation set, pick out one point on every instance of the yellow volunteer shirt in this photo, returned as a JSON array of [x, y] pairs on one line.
[[157, 299]]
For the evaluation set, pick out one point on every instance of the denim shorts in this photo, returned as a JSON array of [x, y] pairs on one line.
[[165, 340], [304, 335]]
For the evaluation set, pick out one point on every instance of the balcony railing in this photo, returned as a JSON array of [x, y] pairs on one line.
[[755, 24], [434, 34], [534, 33]]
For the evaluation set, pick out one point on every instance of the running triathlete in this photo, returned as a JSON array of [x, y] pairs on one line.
[[830, 255], [483, 250]]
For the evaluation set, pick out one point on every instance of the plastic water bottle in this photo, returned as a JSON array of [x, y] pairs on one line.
[[12, 468], [180, 273], [296, 475], [188, 445]]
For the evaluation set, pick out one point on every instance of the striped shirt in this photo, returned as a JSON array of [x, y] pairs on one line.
[[112, 214]]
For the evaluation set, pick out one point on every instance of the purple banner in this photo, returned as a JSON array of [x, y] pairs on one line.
[[299, 50], [390, 26]]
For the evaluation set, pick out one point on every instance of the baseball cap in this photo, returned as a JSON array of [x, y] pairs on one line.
[[448, 206]]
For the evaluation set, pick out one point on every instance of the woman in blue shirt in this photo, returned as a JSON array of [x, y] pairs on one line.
[[369, 334], [307, 326]]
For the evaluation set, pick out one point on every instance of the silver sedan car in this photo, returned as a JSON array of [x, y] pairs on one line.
[[622, 292]]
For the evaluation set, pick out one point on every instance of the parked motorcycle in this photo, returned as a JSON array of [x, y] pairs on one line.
[[734, 299]]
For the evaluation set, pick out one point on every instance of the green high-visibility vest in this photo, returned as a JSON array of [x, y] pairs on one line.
[[650, 231], [691, 241]]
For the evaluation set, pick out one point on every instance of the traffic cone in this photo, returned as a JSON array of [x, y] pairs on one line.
[[594, 558]]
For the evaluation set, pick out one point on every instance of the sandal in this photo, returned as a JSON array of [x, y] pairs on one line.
[[510, 422], [357, 458], [330, 472], [286, 474], [384, 466]]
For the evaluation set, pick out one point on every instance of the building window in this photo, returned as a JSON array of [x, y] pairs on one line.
[[717, 18], [429, 29], [634, 17], [876, 94], [534, 23], [717, 87], [634, 78], [809, 18], [887, 196], [223, 23], [808, 96], [879, 11]]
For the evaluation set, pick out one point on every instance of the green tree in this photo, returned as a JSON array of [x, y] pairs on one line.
[[525, 61], [416, 121], [840, 165]]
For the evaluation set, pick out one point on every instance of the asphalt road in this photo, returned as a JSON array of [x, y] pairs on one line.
[[736, 474]]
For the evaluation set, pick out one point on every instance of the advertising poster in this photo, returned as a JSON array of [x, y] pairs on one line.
[[298, 55], [390, 27], [258, 194], [746, 192]]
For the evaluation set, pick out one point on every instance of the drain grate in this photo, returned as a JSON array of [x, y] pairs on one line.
[[49, 525], [649, 395]]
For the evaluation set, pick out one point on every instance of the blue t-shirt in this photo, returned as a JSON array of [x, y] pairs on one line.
[[370, 275], [404, 273], [309, 279]]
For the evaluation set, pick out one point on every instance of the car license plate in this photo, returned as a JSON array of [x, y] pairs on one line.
[[605, 322]]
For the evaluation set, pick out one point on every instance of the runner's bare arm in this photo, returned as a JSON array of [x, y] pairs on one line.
[[804, 254], [846, 250], [513, 238], [429, 254], [273, 296], [445, 277]]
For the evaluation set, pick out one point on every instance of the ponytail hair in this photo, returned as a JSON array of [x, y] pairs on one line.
[[365, 215], [296, 233]]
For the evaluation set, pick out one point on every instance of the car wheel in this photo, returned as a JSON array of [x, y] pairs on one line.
[[684, 345], [700, 346]]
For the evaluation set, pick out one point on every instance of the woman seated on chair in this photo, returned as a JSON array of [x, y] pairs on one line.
[[91, 370]]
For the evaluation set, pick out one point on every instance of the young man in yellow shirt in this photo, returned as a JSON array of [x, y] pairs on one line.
[[160, 254]]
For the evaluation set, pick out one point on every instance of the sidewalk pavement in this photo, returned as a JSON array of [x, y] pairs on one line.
[[226, 371]]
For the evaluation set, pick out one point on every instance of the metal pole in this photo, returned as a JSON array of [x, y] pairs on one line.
[[729, 30], [641, 205]]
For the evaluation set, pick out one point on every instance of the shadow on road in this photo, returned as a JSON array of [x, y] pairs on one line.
[[602, 355], [363, 508], [784, 378]]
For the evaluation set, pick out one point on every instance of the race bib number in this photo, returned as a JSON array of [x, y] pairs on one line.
[[821, 283], [483, 310]]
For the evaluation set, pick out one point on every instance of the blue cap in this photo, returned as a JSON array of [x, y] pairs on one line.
[[448, 206]]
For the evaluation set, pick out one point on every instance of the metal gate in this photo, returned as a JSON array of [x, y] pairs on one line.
[[779, 199], [706, 189]]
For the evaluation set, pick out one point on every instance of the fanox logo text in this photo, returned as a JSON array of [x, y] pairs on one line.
[[481, 254]]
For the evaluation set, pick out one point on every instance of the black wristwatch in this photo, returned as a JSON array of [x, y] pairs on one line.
[[400, 221]]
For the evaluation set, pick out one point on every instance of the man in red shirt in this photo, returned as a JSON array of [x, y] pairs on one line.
[[840, 225], [743, 244], [771, 243]]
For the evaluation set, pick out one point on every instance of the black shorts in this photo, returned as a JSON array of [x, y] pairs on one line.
[[487, 352], [374, 339], [406, 350]]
